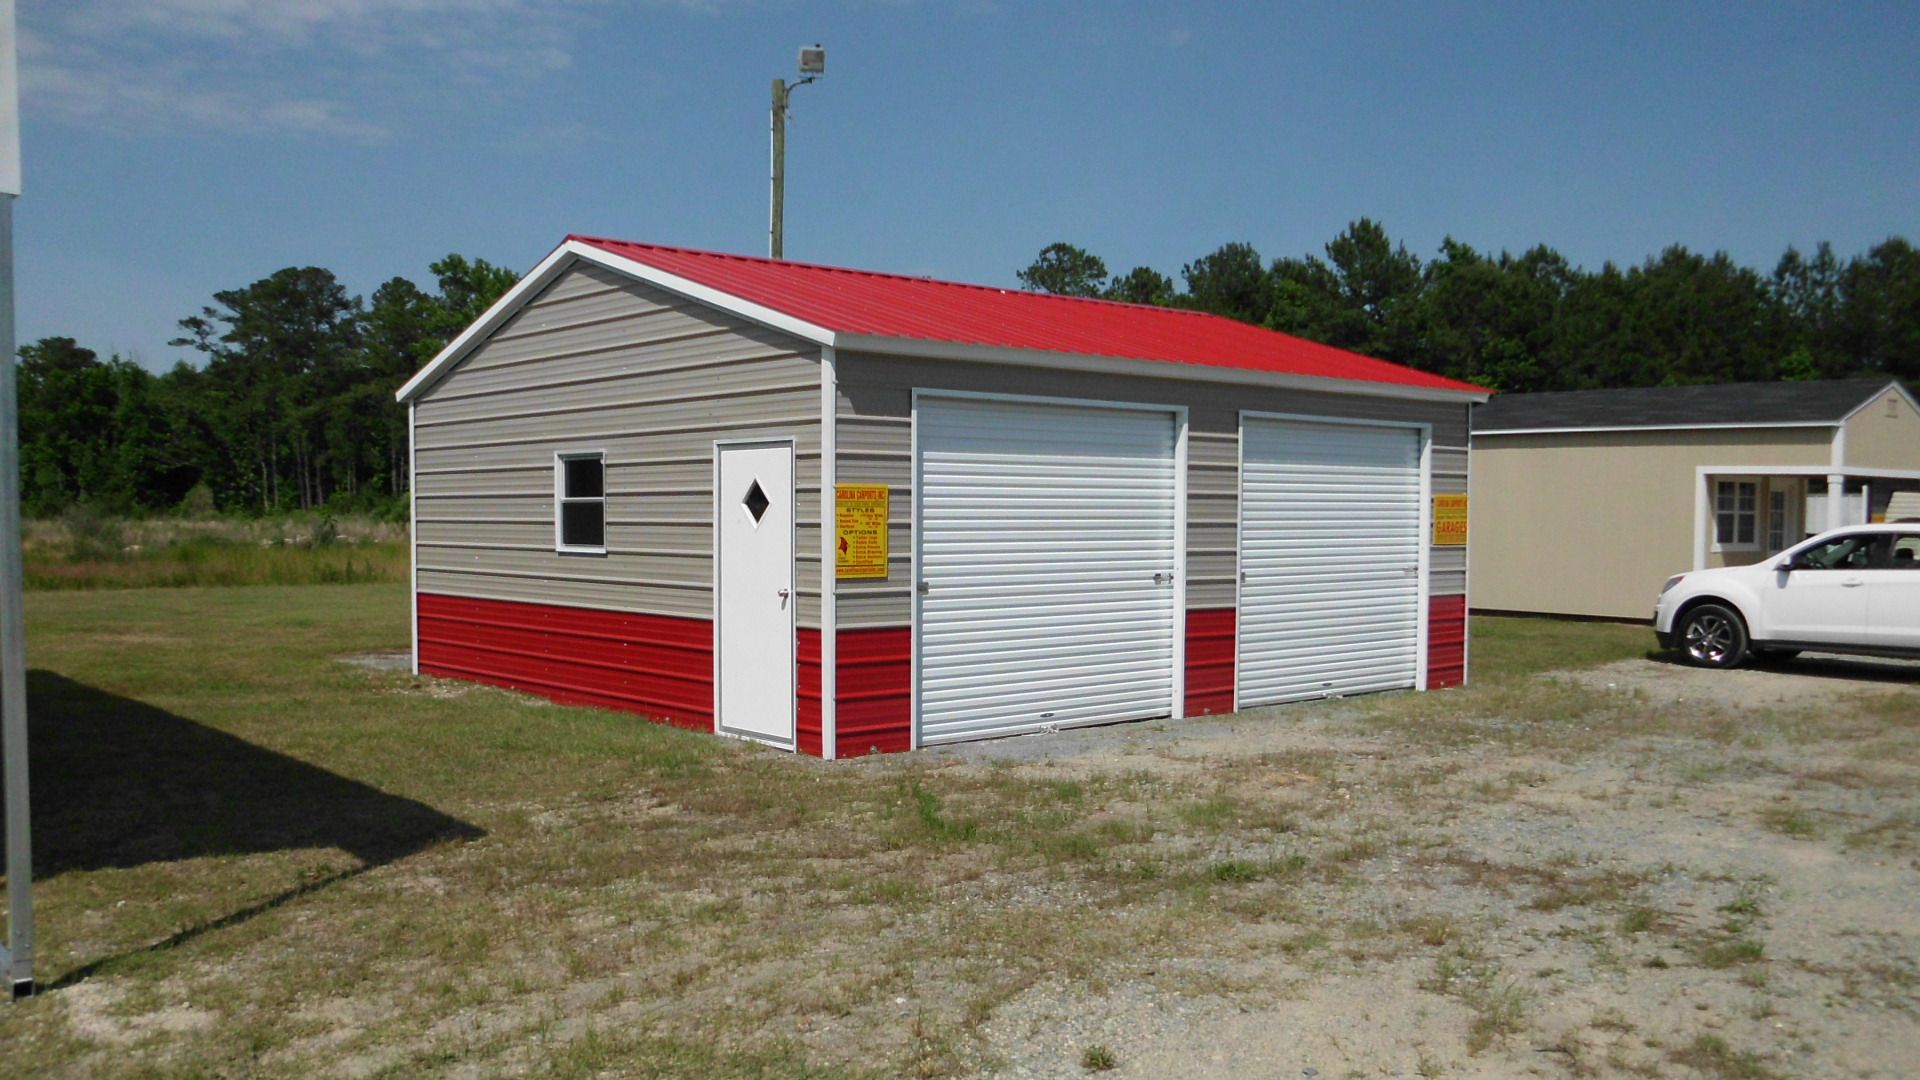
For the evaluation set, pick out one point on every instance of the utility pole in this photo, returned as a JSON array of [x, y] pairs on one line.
[[16, 958], [813, 64]]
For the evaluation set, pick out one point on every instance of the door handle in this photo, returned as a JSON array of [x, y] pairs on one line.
[[782, 593], [1162, 578], [1852, 583]]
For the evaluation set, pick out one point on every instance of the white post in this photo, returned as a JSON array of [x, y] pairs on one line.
[[1702, 518], [829, 572], [13, 650], [1836, 501], [17, 957]]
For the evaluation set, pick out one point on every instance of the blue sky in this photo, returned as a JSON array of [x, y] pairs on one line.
[[178, 147]]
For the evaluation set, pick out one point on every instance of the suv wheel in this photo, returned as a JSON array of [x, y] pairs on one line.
[[1713, 636]]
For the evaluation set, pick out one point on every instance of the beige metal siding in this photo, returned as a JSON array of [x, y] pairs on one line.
[[1876, 440], [1213, 518], [600, 362], [1447, 566], [1592, 523], [875, 446]]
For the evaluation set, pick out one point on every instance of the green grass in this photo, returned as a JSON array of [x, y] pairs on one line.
[[1506, 647], [255, 859], [1710, 1055], [222, 563]]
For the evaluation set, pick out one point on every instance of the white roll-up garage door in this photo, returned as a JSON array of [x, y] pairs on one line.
[[1047, 538], [1330, 555]]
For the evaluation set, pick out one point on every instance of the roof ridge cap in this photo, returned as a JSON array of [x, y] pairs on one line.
[[895, 276]]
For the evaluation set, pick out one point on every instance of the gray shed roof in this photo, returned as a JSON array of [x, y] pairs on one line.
[[1738, 404]]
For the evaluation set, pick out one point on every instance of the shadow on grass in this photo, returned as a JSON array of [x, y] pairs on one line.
[[118, 783]]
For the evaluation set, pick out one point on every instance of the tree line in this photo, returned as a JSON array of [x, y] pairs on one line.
[[1534, 321], [293, 408]]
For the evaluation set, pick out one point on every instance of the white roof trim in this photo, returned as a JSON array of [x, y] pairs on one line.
[[511, 301], [1849, 471], [1899, 388], [570, 251], [556, 263], [1477, 432], [1153, 369]]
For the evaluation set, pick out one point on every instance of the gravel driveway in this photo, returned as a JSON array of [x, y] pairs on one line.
[[1637, 869]]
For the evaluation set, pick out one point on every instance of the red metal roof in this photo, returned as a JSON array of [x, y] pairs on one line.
[[894, 306]]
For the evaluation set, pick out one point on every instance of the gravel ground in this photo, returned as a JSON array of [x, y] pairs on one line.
[[1719, 881]]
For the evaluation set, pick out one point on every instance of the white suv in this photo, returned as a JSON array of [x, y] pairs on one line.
[[1853, 590]]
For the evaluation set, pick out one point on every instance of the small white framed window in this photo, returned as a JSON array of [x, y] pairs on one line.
[[1736, 515], [580, 503]]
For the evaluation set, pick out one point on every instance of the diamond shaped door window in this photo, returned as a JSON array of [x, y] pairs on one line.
[[756, 502]]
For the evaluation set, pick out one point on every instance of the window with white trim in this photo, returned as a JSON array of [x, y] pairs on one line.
[[580, 502], [1736, 513]]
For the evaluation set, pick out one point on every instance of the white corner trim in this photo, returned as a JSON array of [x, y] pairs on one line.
[[1423, 603], [829, 571], [413, 537], [1181, 477]]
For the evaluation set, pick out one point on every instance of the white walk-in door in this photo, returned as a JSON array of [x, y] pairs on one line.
[[753, 644], [1329, 559], [1047, 539]]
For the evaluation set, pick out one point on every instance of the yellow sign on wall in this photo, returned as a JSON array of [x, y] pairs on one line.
[[860, 519], [1450, 521]]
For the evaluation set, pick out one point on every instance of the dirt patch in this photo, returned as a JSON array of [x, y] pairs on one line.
[[1812, 679], [392, 660]]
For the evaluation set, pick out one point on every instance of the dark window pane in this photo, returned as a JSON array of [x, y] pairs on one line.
[[585, 478], [757, 501], [1906, 553], [583, 524]]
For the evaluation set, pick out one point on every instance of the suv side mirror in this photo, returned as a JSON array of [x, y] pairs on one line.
[[1787, 563]]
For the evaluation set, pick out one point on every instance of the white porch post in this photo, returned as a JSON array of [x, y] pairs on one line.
[[1702, 517], [1837, 481]]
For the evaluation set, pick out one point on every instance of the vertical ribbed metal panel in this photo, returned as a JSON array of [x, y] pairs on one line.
[[1042, 530], [1330, 549]]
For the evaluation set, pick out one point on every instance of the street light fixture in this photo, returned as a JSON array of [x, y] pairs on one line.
[[812, 64]]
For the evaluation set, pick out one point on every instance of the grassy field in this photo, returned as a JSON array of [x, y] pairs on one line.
[[257, 859], [83, 550]]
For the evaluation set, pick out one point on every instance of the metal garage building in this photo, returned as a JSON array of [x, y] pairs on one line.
[[1042, 512]]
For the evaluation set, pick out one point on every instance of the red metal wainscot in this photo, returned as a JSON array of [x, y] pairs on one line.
[[1210, 647], [656, 665], [1446, 641]]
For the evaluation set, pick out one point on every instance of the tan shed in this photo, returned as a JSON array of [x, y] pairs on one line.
[[1585, 501]]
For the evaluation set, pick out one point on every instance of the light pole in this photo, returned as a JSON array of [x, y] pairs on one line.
[[813, 64], [16, 956]]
